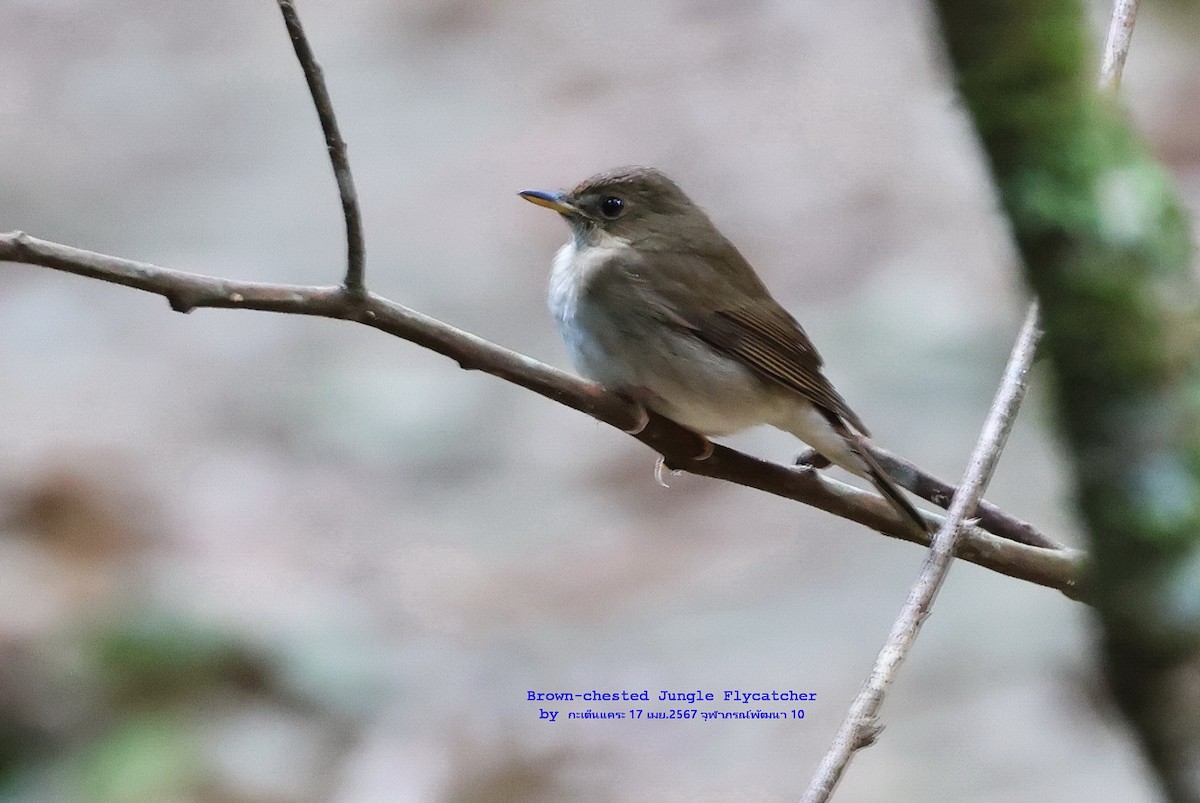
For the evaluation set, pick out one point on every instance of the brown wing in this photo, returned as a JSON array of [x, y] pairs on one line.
[[768, 340], [752, 328]]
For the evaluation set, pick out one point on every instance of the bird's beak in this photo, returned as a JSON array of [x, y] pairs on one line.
[[551, 200]]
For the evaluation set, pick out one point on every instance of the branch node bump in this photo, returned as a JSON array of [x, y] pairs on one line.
[[868, 733], [20, 244], [336, 147], [180, 303]]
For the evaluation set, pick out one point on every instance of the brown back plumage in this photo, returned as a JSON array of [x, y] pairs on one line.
[[683, 247]]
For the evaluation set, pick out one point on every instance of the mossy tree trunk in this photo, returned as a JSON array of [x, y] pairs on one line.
[[1107, 250]]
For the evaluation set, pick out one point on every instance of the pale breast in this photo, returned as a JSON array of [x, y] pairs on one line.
[[589, 319], [564, 284]]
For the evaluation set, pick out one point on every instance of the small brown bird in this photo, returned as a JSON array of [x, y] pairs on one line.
[[653, 301]]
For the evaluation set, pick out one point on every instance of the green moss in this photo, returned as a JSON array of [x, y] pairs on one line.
[[1106, 248]]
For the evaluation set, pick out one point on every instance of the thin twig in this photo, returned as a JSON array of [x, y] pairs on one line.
[[909, 476], [860, 727], [987, 515], [1116, 44], [355, 250], [681, 448]]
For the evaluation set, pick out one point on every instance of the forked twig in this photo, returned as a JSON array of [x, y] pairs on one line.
[[986, 515], [355, 247]]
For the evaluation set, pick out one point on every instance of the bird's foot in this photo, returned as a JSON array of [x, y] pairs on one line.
[[811, 458]]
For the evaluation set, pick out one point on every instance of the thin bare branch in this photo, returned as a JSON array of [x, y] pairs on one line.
[[681, 448], [355, 249], [909, 476], [860, 727], [987, 515], [1116, 44]]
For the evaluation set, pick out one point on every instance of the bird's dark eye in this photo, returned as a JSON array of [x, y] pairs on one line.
[[612, 207]]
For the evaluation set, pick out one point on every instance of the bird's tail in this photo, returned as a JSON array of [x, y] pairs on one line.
[[880, 479]]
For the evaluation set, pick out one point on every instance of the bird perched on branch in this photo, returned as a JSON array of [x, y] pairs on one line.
[[654, 302]]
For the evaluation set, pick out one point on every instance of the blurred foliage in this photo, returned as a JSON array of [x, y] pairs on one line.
[[121, 712], [149, 756], [152, 658]]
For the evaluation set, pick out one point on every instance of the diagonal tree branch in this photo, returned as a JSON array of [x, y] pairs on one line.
[[681, 448], [986, 515], [860, 728], [1032, 557]]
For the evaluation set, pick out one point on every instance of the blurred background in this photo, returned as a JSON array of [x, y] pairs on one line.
[[249, 557]]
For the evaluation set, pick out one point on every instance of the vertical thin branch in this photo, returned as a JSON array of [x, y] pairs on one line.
[[355, 252], [859, 729], [1116, 44]]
